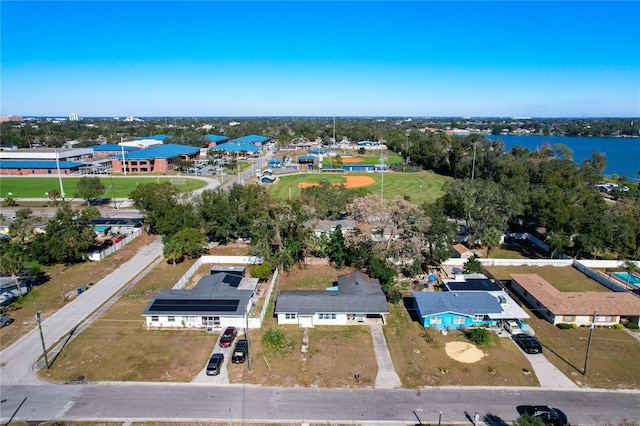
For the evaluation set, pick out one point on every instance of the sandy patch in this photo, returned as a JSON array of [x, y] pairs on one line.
[[352, 182], [463, 352], [351, 160]]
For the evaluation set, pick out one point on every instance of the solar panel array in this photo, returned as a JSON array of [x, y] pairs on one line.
[[232, 280], [194, 305]]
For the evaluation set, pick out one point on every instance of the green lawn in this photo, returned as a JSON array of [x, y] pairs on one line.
[[36, 187], [395, 184]]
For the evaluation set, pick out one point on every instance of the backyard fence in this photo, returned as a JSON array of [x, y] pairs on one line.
[[100, 255]]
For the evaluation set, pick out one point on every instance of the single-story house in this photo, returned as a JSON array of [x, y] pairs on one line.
[[328, 226], [356, 299], [471, 282], [461, 251], [576, 307], [464, 309], [9, 286], [219, 300]]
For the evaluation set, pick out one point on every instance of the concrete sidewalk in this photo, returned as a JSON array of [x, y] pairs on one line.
[[17, 361]]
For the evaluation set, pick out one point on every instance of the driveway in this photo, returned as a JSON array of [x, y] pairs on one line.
[[548, 374], [387, 376]]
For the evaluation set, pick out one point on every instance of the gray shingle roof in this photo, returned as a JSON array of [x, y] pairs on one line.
[[357, 293], [220, 287]]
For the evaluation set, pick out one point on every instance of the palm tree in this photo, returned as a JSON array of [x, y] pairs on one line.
[[631, 267], [12, 262], [556, 240]]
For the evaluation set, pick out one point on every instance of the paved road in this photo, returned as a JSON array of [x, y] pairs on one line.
[[17, 360], [122, 402]]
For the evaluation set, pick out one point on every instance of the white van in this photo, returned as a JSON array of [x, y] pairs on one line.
[[512, 327]]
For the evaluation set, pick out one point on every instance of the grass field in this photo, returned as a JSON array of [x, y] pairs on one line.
[[36, 187], [395, 184]]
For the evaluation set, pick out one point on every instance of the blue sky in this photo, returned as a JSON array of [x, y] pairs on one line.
[[147, 58]]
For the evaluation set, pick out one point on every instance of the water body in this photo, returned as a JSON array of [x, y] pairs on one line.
[[623, 154]]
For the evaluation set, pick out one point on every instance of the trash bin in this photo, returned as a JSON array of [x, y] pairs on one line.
[[79, 291], [84, 288]]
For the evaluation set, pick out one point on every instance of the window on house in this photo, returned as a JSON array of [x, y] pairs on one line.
[[569, 318], [458, 320], [171, 318], [155, 318], [290, 316], [478, 318], [603, 318], [435, 320], [326, 316]]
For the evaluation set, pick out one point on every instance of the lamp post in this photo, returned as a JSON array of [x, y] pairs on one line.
[[420, 194]]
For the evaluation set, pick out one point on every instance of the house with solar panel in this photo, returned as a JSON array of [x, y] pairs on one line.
[[357, 299], [222, 299]]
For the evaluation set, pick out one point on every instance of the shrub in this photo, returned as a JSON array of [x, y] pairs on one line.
[[261, 271], [565, 326], [273, 338], [618, 326], [632, 326], [478, 336], [527, 420], [430, 335]]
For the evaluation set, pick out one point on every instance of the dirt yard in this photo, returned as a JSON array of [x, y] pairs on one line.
[[352, 182]]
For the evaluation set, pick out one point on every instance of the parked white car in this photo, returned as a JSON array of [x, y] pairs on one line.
[[512, 327]]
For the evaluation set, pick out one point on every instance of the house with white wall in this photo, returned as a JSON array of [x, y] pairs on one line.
[[218, 300], [357, 299]]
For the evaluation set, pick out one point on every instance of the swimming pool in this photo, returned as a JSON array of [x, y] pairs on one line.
[[635, 280]]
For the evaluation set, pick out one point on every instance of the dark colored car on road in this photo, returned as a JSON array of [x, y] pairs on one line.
[[227, 337], [215, 364], [240, 352], [550, 416], [529, 344]]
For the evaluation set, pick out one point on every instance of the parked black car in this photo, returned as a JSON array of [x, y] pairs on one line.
[[240, 352], [529, 344], [215, 364], [550, 416]]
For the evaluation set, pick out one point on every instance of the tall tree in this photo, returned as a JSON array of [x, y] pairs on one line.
[[89, 188], [12, 261], [490, 237], [67, 238], [154, 200]]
